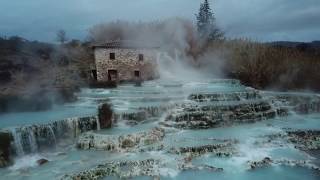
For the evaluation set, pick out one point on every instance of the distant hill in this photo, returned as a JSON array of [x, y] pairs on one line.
[[291, 44], [20, 55]]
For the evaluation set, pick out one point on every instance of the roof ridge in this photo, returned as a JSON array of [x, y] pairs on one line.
[[126, 44]]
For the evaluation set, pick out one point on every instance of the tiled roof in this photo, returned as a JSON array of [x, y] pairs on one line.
[[125, 44]]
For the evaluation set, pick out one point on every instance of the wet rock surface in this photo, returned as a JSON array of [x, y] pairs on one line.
[[226, 149], [118, 143], [305, 139], [251, 94], [124, 169], [105, 114], [5, 140], [267, 161], [186, 167], [259, 164], [42, 161], [130, 169], [199, 116]]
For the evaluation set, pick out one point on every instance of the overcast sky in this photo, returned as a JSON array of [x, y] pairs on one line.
[[262, 20]]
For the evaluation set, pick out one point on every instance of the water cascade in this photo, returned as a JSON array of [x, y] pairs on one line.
[[30, 139]]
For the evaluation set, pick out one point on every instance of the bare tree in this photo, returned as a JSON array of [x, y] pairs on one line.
[[61, 36]]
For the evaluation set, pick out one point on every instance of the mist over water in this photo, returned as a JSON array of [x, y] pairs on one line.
[[178, 68], [195, 123]]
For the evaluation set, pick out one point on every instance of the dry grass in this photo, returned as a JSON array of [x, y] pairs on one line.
[[265, 66]]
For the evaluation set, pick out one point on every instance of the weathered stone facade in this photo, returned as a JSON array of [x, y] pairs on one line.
[[125, 63]]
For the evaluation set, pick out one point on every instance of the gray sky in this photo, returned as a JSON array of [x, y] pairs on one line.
[[262, 20]]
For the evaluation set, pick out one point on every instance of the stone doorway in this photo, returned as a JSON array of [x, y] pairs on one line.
[[112, 75]]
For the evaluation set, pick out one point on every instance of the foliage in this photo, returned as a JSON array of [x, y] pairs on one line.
[[62, 36], [33, 68], [264, 65], [207, 27]]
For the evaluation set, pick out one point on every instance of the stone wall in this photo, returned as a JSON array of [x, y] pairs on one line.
[[126, 62]]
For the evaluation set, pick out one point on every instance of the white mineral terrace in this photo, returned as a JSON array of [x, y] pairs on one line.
[[217, 129]]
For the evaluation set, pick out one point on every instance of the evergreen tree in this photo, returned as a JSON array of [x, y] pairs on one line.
[[207, 27]]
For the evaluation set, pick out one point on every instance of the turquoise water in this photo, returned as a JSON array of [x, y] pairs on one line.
[[128, 98], [57, 113]]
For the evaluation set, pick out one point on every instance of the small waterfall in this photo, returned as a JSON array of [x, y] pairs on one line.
[[73, 124], [32, 142], [34, 138], [98, 124], [17, 142], [24, 141], [52, 135]]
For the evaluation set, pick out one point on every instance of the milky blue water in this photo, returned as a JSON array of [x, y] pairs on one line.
[[128, 98]]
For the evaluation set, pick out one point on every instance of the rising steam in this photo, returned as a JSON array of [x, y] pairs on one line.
[[177, 39]]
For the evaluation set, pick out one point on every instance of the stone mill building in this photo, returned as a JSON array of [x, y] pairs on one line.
[[123, 61]]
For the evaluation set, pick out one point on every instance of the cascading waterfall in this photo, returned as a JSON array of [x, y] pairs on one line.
[[98, 124], [17, 142], [31, 139], [32, 142], [52, 134], [24, 141]]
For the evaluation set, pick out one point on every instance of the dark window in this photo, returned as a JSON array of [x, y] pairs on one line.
[[137, 73], [140, 57], [94, 74], [112, 56]]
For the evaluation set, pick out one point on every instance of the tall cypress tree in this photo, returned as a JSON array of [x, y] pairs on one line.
[[207, 27]]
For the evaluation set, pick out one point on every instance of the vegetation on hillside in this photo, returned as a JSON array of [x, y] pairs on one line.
[[34, 75]]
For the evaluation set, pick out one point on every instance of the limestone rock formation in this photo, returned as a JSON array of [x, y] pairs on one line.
[[204, 116], [259, 164], [105, 114], [42, 161], [128, 142], [226, 149], [305, 139], [122, 170], [267, 161]]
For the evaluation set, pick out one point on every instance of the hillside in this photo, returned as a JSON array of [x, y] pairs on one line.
[[47, 73]]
